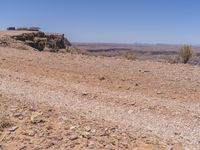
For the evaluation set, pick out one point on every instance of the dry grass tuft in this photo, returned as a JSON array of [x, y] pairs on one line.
[[130, 56], [186, 52], [5, 122], [173, 59]]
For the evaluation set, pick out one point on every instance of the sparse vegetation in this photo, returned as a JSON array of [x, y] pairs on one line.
[[130, 56], [186, 52], [5, 122], [173, 59]]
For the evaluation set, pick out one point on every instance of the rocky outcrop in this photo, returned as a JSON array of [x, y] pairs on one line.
[[40, 41]]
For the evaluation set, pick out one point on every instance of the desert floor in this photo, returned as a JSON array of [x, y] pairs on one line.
[[65, 101]]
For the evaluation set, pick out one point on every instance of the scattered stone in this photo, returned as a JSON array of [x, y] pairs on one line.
[[14, 128], [36, 117], [49, 145], [87, 128], [91, 144], [128, 88], [73, 137], [102, 78], [30, 133], [73, 128], [50, 109], [133, 104], [38, 148], [23, 147], [20, 118], [69, 146], [26, 81], [110, 147], [16, 115], [159, 92], [177, 133], [130, 111], [86, 135], [49, 127], [93, 131], [41, 134], [84, 93], [32, 109], [59, 138]]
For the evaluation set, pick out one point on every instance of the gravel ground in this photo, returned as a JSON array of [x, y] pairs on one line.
[[155, 105]]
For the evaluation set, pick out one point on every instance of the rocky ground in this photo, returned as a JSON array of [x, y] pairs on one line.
[[28, 125], [68, 101]]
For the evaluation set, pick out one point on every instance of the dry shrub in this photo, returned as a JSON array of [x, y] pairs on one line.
[[5, 122], [173, 59], [130, 56], [186, 52]]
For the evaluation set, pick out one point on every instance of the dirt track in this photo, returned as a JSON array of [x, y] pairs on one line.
[[160, 102]]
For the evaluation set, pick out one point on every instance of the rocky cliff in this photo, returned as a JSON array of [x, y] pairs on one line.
[[41, 41]]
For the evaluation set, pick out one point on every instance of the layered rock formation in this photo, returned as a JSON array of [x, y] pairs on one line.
[[40, 41]]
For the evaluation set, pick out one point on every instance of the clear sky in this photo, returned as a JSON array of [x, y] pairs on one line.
[[119, 21]]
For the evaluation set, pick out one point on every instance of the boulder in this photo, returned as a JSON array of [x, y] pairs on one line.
[[29, 36], [40, 43], [56, 41], [40, 34], [20, 38], [30, 43]]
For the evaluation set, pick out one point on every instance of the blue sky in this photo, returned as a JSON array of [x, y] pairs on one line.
[[119, 21]]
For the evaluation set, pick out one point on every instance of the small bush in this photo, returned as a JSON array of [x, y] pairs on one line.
[[186, 52], [130, 56], [173, 60], [41, 45]]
